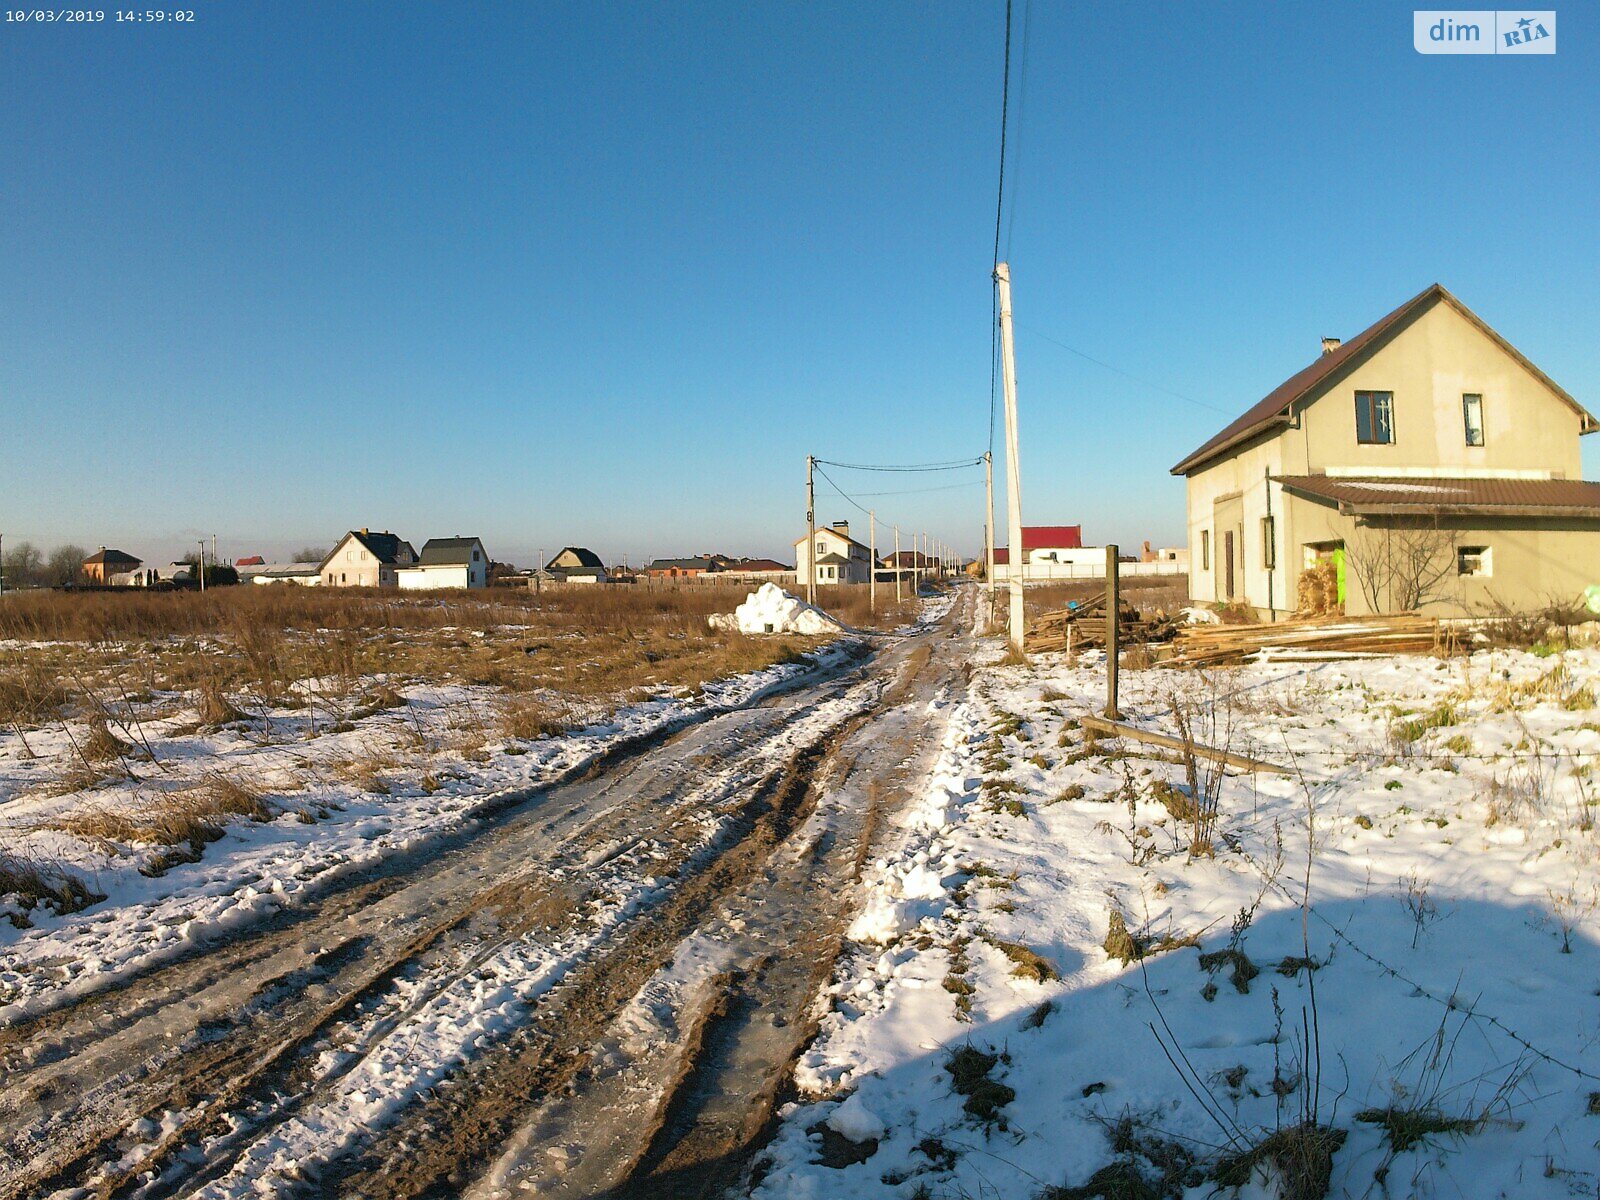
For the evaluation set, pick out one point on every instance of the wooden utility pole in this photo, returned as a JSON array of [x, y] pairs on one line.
[[872, 569], [897, 565], [811, 534], [1113, 630], [1008, 361]]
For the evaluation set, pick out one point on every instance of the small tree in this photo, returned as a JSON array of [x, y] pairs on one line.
[[65, 565], [1405, 562], [307, 554]]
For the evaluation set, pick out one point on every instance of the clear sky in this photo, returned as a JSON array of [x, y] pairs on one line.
[[604, 274]]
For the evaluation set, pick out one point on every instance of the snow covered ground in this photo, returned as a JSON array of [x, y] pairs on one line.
[[1377, 973], [352, 795]]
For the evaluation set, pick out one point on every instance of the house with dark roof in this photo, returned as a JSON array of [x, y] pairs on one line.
[[1425, 464], [100, 566], [452, 562], [365, 558], [577, 564], [683, 568]]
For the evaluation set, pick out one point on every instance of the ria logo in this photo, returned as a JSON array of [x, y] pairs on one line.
[[1484, 31]]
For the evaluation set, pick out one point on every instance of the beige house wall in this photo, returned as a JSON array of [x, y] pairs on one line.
[[1429, 366], [1533, 561], [1529, 432]]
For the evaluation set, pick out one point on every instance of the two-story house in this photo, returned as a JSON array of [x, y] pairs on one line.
[[1426, 458], [366, 559], [834, 555], [452, 562]]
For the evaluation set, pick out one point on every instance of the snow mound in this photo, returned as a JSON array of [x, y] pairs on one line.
[[770, 609], [1201, 616], [856, 1122]]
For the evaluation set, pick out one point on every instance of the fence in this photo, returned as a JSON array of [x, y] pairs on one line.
[[1054, 572]]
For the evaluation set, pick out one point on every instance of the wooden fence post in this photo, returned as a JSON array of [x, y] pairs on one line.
[[1113, 631]]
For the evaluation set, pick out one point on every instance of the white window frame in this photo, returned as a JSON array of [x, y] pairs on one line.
[[1469, 401], [1475, 561]]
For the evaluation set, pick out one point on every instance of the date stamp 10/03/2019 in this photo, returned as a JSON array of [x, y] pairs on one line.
[[96, 16]]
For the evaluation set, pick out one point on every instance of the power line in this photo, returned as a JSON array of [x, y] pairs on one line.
[[959, 464], [1125, 374], [1005, 105], [1016, 136], [944, 487]]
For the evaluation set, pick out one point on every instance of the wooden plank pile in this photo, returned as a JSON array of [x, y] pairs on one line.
[[1086, 627], [1311, 639]]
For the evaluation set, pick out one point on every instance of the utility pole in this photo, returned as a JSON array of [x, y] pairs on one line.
[[872, 570], [1008, 359], [214, 559], [2, 564], [202, 566], [811, 534], [898, 565], [988, 528]]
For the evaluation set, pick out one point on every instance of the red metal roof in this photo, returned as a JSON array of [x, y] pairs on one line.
[[1052, 537], [254, 560], [1445, 496]]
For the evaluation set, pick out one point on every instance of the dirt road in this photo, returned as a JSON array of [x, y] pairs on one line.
[[600, 991]]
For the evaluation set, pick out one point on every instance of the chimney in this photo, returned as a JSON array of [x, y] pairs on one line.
[[1329, 345], [842, 528], [363, 531]]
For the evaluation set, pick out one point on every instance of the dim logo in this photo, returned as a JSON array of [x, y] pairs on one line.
[[1484, 31]]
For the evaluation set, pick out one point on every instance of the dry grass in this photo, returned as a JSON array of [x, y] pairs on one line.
[[1166, 592], [191, 817], [526, 718], [31, 884], [29, 694]]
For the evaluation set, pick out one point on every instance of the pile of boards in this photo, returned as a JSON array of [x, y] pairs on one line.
[[1312, 639], [1085, 626]]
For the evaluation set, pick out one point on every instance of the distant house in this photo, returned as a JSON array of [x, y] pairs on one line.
[[363, 558], [834, 555], [1426, 461], [683, 568], [452, 562], [306, 574], [757, 570], [910, 560], [253, 560], [100, 566], [577, 564]]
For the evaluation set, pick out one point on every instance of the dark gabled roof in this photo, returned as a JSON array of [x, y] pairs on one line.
[[111, 558], [1278, 405], [758, 564], [448, 552], [682, 564], [1443, 496], [833, 559], [385, 547], [587, 559]]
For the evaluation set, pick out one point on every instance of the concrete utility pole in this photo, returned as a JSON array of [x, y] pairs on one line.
[[872, 570], [811, 534], [897, 564], [202, 565], [2, 564], [1008, 360], [988, 528], [214, 558]]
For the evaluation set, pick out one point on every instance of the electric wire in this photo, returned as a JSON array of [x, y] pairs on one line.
[[959, 464]]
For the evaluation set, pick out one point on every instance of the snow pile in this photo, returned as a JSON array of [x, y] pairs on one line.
[[1195, 615], [770, 609]]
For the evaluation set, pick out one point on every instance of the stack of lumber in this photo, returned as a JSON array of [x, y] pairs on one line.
[[1085, 625], [1311, 639]]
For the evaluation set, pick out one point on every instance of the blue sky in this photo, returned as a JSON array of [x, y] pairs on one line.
[[605, 274]]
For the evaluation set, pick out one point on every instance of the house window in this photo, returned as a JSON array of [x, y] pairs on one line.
[[1205, 549], [822, 547], [1473, 560], [1375, 418], [1472, 416], [1269, 546]]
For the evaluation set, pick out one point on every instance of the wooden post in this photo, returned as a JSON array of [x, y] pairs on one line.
[[1113, 630], [1008, 363], [897, 566]]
